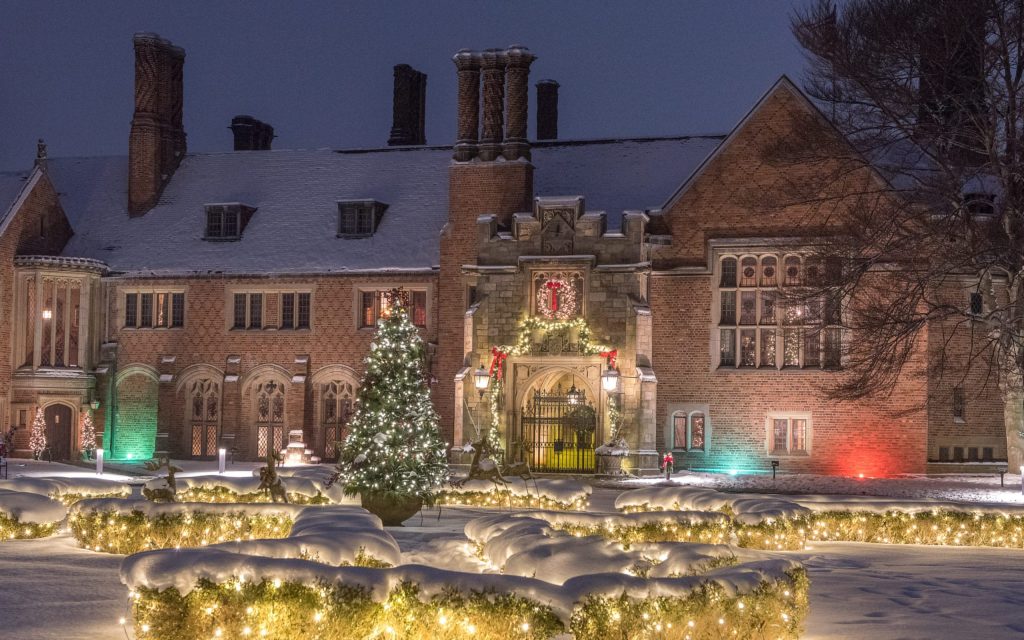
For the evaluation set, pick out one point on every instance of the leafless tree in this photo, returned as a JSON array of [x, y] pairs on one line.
[[924, 208]]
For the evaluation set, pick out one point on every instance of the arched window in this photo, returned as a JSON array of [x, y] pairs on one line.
[[336, 400], [769, 271], [204, 409], [269, 417], [748, 272], [794, 275]]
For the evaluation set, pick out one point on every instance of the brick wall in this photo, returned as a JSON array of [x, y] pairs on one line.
[[135, 431], [205, 344]]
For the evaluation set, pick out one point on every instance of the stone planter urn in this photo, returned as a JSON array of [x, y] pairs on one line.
[[392, 509]]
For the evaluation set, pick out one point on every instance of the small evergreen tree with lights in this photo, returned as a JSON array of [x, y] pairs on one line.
[[37, 436], [393, 453], [88, 435]]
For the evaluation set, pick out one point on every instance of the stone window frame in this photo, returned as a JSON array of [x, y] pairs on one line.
[[790, 416], [268, 323], [958, 400], [779, 326], [154, 291], [378, 289], [689, 410]]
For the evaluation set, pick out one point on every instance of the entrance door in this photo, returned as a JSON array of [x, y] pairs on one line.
[[558, 432], [58, 431]]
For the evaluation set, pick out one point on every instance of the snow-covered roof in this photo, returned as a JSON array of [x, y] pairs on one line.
[[11, 184], [295, 194]]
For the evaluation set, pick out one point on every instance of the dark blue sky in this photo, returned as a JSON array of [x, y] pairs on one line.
[[320, 72]]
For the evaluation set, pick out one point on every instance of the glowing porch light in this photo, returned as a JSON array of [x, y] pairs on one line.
[[610, 380], [47, 314]]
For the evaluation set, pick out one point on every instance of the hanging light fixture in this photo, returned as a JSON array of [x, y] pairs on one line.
[[610, 379], [574, 396], [47, 314], [481, 379]]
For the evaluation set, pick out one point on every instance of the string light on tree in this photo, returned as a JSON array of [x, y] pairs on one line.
[[88, 441], [37, 437]]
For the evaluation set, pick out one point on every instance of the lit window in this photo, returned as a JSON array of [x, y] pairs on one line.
[[159, 309], [689, 431], [788, 434], [374, 305]]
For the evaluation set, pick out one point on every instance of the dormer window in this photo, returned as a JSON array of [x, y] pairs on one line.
[[359, 218], [226, 222], [980, 204]]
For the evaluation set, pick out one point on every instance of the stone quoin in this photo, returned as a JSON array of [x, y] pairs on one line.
[[198, 301]]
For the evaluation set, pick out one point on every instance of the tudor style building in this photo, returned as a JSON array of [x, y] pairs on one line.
[[199, 301]]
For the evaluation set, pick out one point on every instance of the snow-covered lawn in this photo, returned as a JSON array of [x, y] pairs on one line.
[[51, 589]]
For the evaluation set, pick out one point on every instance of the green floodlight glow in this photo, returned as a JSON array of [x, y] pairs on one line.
[[733, 472]]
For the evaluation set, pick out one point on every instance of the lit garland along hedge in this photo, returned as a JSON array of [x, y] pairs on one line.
[[290, 610], [774, 610], [68, 499], [505, 498], [238, 609], [13, 529], [674, 531], [935, 527], [133, 532], [226, 495]]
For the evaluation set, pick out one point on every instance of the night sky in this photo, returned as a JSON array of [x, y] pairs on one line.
[[320, 73]]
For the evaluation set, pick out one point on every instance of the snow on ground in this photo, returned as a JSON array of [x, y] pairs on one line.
[[50, 589], [962, 488]]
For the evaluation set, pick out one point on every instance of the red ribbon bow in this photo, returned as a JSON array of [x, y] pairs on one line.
[[497, 360], [553, 286], [612, 356]]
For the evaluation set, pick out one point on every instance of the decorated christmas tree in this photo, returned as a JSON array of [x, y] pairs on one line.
[[88, 434], [394, 450], [37, 437]]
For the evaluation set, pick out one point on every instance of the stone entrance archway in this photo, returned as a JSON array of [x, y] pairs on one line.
[[559, 430], [59, 420]]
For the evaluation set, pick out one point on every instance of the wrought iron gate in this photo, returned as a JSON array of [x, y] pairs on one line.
[[560, 433]]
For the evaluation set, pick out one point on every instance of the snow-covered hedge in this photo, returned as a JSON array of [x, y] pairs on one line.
[[767, 522], [545, 493], [28, 515], [69, 490], [217, 488], [128, 526], [550, 583]]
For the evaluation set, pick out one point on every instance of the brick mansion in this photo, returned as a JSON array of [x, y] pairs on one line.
[[188, 302]]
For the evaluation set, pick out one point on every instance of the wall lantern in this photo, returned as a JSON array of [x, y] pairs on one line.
[[481, 379], [574, 396], [95, 404], [47, 314], [610, 380]]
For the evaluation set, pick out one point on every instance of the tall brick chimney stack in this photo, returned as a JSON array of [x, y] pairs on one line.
[[251, 134], [547, 110], [467, 65], [409, 107], [517, 71], [156, 143], [493, 63]]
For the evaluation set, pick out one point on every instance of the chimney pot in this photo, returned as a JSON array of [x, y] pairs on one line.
[[547, 110], [409, 107], [517, 71], [467, 65], [493, 63], [251, 134]]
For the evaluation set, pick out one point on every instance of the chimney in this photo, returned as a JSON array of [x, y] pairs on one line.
[[156, 143], [518, 61], [409, 107], [251, 134], [493, 70], [467, 64], [547, 110]]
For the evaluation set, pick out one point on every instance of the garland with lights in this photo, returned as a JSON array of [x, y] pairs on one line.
[[221, 494], [37, 436], [523, 346], [13, 529]]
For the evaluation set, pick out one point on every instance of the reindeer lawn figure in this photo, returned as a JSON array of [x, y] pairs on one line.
[[519, 465], [168, 492], [270, 481]]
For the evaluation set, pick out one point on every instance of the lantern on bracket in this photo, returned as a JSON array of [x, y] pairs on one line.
[[574, 396], [610, 380], [481, 379]]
